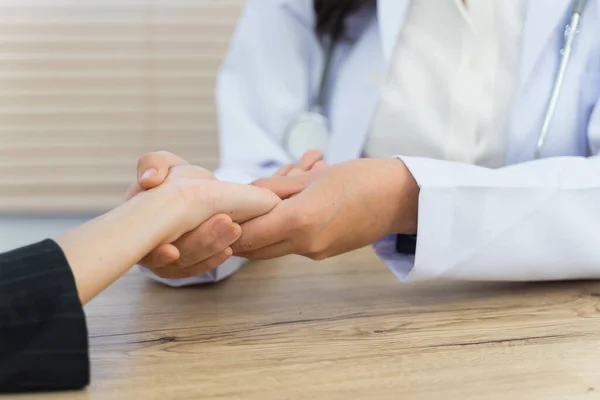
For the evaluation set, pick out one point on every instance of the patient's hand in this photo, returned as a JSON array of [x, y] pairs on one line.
[[208, 245], [239, 202]]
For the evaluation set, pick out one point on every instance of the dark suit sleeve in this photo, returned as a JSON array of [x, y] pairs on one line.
[[43, 333]]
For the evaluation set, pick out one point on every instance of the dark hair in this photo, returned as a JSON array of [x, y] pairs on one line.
[[331, 15]]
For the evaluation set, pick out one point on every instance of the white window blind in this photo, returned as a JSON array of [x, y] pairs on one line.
[[87, 86]]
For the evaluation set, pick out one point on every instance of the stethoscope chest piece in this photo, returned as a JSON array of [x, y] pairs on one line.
[[308, 131]]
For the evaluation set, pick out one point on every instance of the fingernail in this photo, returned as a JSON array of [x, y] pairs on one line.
[[148, 173]]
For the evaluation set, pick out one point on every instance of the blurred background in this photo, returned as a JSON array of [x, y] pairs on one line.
[[86, 87]]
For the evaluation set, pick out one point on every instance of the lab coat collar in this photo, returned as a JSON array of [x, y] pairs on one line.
[[390, 15], [544, 18]]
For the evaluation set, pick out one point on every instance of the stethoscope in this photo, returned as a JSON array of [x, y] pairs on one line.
[[310, 129]]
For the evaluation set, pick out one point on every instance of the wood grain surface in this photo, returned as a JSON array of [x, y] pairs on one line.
[[345, 328]]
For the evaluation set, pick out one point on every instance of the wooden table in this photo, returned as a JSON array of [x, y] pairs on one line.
[[342, 329]]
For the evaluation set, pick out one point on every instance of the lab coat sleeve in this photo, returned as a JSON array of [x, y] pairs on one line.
[[528, 222], [264, 82]]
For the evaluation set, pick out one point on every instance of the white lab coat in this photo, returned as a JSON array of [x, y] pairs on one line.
[[531, 220]]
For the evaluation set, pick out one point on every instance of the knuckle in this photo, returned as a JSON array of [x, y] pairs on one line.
[[148, 157], [316, 249], [303, 226], [163, 153], [299, 221], [143, 159]]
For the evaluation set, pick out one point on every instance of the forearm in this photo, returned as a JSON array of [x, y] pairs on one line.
[[103, 249]]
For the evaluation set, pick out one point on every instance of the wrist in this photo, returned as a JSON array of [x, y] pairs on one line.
[[184, 204], [166, 206], [104, 248]]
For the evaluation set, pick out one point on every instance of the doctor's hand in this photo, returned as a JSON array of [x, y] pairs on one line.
[[312, 159], [199, 250], [333, 210]]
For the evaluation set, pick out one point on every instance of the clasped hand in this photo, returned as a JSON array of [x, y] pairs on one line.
[[324, 211], [212, 212]]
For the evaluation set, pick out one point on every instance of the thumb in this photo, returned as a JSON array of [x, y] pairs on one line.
[[153, 168], [284, 187]]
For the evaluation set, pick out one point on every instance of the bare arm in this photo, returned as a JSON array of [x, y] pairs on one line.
[[103, 249]]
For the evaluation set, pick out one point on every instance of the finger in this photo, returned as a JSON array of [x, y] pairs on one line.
[[295, 172], [176, 272], [153, 168], [161, 257], [266, 230], [211, 263], [320, 166], [279, 249], [241, 202], [210, 238], [284, 187], [283, 171], [191, 172], [181, 171], [309, 158]]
